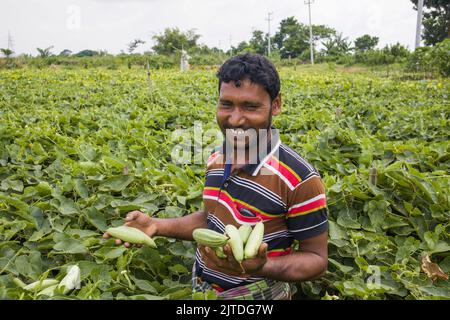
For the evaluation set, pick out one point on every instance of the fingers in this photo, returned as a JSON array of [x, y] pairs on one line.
[[262, 252], [212, 255], [203, 253], [132, 216], [229, 253], [209, 256]]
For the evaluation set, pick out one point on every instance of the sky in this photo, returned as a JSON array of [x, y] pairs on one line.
[[111, 24]]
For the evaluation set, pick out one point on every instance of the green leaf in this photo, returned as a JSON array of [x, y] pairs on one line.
[[81, 189], [445, 264], [96, 272], [178, 269], [347, 222], [96, 218], [64, 205], [340, 267], [376, 211], [145, 285], [116, 184], [68, 245], [441, 246], [44, 188], [109, 253], [20, 205], [335, 231], [431, 239], [407, 248]]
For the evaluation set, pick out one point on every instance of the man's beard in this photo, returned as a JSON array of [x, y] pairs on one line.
[[238, 147]]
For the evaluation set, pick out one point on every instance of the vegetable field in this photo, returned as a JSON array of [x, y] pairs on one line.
[[80, 148]]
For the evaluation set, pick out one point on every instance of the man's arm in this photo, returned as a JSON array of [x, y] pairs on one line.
[[179, 228], [309, 263]]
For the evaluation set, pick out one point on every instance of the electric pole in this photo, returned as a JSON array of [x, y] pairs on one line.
[[268, 33], [10, 41], [419, 22], [311, 44]]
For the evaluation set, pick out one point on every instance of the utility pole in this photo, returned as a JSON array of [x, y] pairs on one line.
[[10, 41], [231, 47], [268, 33], [419, 22], [311, 44]]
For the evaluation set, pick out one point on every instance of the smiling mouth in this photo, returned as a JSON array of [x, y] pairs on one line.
[[237, 132]]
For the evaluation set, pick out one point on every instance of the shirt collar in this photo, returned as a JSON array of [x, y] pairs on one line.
[[272, 146]]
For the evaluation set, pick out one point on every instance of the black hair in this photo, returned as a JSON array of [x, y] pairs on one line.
[[257, 68]]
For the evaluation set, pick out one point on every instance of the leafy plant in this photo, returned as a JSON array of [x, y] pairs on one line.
[[80, 148]]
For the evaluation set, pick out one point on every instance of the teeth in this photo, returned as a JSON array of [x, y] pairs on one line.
[[237, 132]]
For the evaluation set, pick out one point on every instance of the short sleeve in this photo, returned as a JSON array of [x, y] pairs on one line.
[[307, 209]]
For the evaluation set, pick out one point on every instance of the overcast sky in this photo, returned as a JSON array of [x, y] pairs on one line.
[[111, 24]]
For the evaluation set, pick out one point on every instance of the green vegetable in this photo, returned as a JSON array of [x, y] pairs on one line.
[[235, 242], [254, 241], [208, 237], [131, 235]]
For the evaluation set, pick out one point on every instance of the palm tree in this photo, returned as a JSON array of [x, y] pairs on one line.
[[44, 53], [336, 45], [6, 52]]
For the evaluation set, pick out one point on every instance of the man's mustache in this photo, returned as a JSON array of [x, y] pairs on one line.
[[237, 128], [244, 128]]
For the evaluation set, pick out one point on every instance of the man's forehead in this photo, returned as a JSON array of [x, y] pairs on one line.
[[239, 83], [242, 87]]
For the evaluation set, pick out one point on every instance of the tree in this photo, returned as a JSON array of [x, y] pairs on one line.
[[6, 52], [292, 37], [65, 53], [172, 40], [366, 42], [87, 53], [134, 44], [44, 53], [258, 42], [242, 46], [336, 45], [436, 20], [397, 50], [322, 32]]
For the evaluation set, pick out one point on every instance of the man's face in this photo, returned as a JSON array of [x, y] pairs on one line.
[[243, 110]]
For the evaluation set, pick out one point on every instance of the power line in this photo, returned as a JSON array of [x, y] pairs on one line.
[[268, 33], [311, 44]]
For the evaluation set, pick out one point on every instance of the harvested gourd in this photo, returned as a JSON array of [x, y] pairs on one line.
[[131, 235]]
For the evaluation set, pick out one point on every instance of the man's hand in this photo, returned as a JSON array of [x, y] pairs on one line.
[[230, 265], [139, 220]]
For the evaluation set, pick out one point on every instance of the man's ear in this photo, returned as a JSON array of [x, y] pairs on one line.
[[276, 105]]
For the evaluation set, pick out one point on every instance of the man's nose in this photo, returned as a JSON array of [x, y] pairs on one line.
[[236, 118]]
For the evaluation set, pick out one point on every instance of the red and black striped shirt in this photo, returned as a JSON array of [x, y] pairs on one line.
[[282, 189]]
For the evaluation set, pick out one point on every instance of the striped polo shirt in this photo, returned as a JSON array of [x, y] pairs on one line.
[[282, 189]]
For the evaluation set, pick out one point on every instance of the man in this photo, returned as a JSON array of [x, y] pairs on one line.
[[254, 177]]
